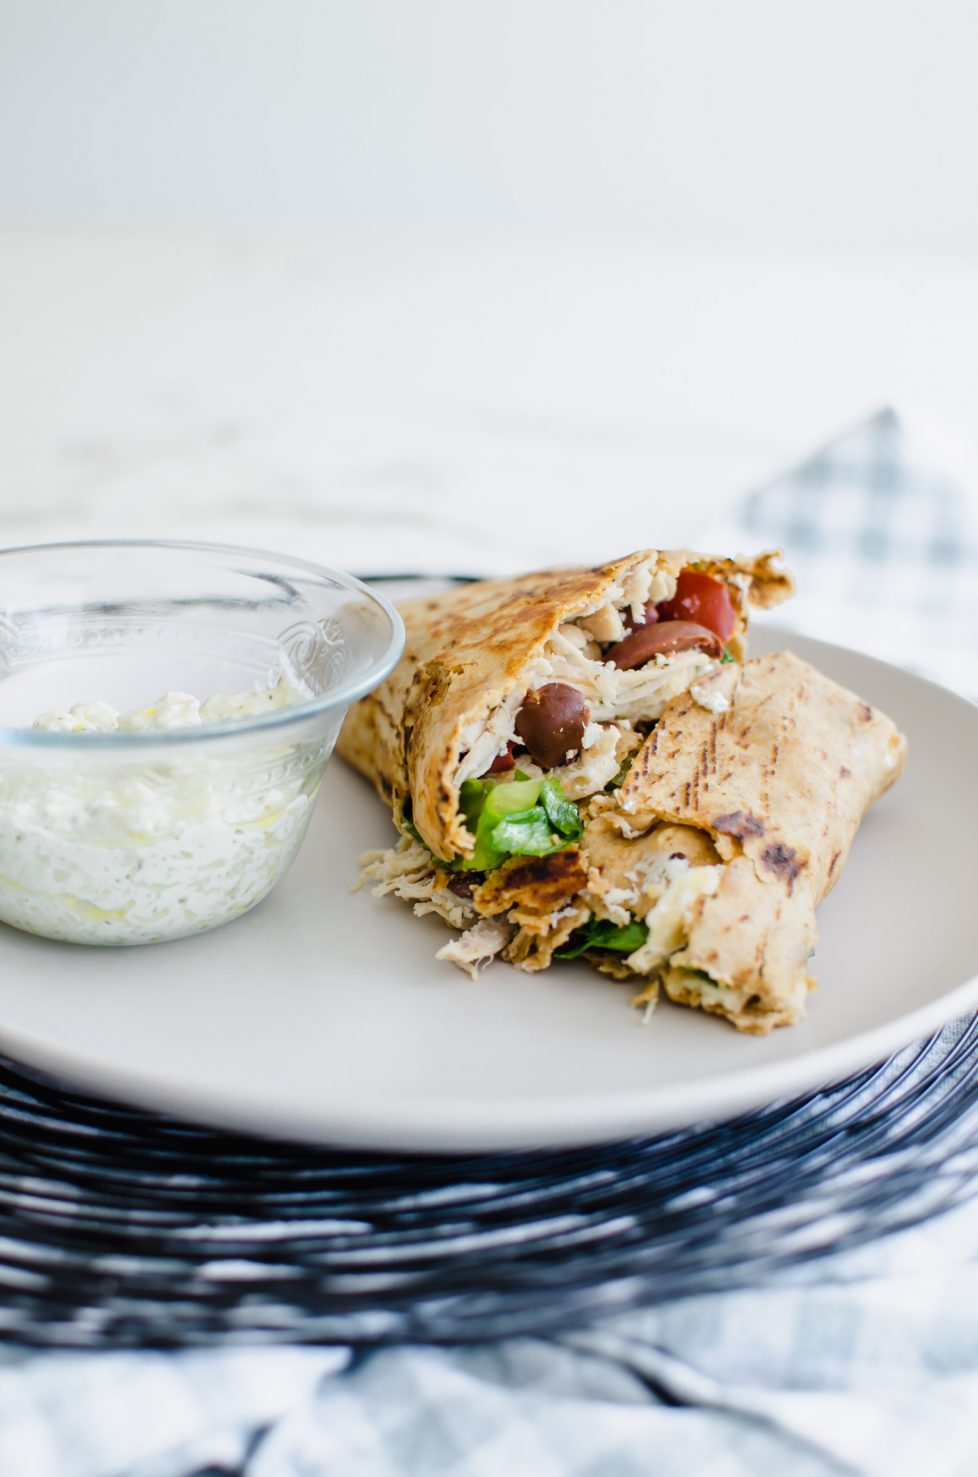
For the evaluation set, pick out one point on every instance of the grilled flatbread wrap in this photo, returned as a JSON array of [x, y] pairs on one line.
[[550, 682], [735, 820]]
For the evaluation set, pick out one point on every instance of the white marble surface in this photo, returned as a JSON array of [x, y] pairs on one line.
[[447, 407]]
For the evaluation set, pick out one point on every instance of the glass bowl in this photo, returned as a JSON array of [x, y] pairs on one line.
[[145, 834]]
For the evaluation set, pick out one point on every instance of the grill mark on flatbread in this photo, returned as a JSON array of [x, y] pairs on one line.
[[738, 823], [776, 757], [782, 861], [540, 883], [699, 773]]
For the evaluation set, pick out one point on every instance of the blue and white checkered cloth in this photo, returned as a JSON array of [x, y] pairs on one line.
[[866, 1364], [880, 529], [863, 1363]]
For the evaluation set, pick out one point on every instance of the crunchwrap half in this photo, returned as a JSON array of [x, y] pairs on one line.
[[515, 711], [734, 821]]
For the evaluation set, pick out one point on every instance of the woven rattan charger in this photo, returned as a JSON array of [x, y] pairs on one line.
[[123, 1228]]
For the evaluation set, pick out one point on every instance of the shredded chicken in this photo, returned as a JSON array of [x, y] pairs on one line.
[[612, 695], [593, 768], [528, 922], [478, 945], [617, 904], [574, 656], [595, 765], [407, 871], [636, 590], [639, 695], [481, 742], [576, 633], [605, 624]]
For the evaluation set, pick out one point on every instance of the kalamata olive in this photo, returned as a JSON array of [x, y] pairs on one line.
[[649, 618], [662, 638], [551, 723], [461, 886]]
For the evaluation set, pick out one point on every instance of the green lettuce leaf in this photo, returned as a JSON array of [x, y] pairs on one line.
[[601, 933], [471, 798], [510, 796], [621, 776], [528, 833], [516, 817], [512, 817], [562, 813]]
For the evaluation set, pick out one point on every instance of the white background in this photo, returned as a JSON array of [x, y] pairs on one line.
[[842, 122], [391, 280]]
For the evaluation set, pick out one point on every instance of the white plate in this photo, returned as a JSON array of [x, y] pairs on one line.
[[324, 1015]]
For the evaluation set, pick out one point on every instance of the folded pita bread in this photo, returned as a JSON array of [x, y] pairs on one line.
[[478, 659], [474, 652], [734, 821]]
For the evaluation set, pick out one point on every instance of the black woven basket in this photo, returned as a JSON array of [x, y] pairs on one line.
[[120, 1228]]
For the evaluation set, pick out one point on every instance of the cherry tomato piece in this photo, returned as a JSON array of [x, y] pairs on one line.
[[701, 598], [502, 762]]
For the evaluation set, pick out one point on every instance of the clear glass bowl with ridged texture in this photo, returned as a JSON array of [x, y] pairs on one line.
[[141, 834]]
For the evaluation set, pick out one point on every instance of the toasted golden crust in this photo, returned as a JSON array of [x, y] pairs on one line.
[[541, 884], [780, 783], [784, 776], [467, 652]]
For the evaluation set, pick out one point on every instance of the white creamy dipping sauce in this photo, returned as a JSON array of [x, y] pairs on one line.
[[174, 710], [119, 848]]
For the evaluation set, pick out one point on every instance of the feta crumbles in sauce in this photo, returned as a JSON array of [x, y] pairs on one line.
[[123, 849], [174, 710]]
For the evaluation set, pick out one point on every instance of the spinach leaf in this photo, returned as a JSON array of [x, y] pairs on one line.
[[601, 933]]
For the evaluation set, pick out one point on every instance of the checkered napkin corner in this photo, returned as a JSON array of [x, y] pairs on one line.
[[880, 529]]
